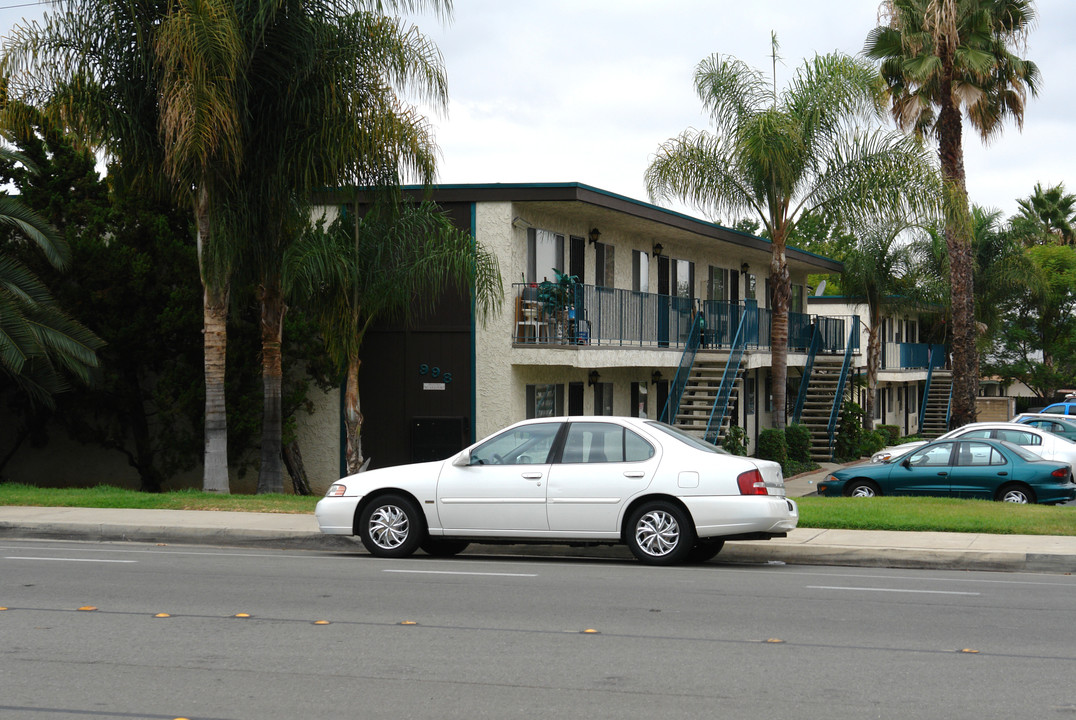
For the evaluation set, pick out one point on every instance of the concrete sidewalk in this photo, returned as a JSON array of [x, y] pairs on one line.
[[805, 546]]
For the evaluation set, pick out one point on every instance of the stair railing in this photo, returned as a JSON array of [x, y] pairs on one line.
[[801, 398], [926, 388], [687, 361], [838, 397], [728, 378]]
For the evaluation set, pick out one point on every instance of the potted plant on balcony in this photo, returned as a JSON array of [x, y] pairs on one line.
[[557, 298]]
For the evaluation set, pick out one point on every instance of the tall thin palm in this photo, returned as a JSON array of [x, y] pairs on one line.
[[878, 269], [1048, 212], [779, 156], [327, 108], [394, 262], [942, 60]]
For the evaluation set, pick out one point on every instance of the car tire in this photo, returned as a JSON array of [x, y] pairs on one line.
[[705, 550], [862, 488], [391, 526], [442, 547], [660, 533], [1015, 493]]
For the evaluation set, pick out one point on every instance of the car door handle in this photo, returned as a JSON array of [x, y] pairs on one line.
[[1003, 473], [532, 476], [942, 474], [634, 473]]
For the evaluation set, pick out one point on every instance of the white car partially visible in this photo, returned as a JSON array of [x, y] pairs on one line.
[[669, 496], [1043, 443]]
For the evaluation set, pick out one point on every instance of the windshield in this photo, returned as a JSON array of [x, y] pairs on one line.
[[697, 443]]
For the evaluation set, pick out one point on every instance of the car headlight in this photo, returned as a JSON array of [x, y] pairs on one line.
[[880, 457], [336, 490]]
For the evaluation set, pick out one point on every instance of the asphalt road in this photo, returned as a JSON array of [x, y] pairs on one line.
[[501, 637]]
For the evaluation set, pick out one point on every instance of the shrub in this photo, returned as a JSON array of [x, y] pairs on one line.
[[872, 442], [772, 446], [892, 434], [798, 439], [846, 446], [735, 441]]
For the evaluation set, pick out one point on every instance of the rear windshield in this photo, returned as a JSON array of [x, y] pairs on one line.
[[697, 443], [1024, 453]]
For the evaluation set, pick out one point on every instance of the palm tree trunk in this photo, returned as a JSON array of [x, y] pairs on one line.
[[271, 472], [215, 319], [781, 284], [958, 243], [215, 330], [353, 418], [874, 353]]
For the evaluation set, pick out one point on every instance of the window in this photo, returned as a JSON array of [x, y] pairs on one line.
[[974, 454], [603, 442], [879, 399], [683, 278], [797, 299], [545, 401], [603, 398], [717, 285], [545, 253], [1018, 437], [749, 396], [933, 456], [603, 265], [749, 283], [640, 271], [526, 445]]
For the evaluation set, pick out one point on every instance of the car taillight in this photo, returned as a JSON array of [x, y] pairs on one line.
[[1060, 472], [751, 483]]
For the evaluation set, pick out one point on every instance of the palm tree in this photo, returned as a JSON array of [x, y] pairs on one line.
[[780, 156], [175, 89], [1049, 212], [327, 108], [41, 346], [940, 60], [396, 261], [878, 269]]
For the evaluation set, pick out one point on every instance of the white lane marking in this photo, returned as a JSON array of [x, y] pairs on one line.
[[12, 557], [892, 590], [456, 572]]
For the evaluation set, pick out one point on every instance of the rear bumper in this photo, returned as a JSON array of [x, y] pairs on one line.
[[722, 516]]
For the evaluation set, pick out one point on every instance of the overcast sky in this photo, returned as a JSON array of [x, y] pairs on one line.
[[586, 90]]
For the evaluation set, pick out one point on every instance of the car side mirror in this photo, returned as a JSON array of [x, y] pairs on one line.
[[463, 459], [906, 462]]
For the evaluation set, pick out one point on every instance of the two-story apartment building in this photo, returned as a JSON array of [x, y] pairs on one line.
[[611, 342]]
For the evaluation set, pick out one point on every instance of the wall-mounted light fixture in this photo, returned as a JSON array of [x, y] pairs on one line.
[[593, 378], [595, 233], [744, 268], [658, 247], [655, 377], [520, 223]]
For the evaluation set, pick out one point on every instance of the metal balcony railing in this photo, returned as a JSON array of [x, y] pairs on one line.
[[553, 315], [911, 356]]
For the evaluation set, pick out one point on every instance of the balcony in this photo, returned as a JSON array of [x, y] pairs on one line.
[[913, 356], [588, 315]]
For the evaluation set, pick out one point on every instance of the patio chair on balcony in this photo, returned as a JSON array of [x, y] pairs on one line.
[[531, 326]]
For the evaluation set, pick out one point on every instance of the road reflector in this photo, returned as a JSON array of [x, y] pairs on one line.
[[591, 631], [408, 622], [242, 615], [775, 641], [2, 609], [87, 608], [970, 651], [162, 615], [321, 622]]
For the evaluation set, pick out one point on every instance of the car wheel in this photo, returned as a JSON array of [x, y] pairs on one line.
[[660, 533], [862, 488], [705, 550], [1015, 494], [440, 547], [391, 527]]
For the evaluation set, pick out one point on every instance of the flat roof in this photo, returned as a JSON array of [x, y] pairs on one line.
[[575, 192]]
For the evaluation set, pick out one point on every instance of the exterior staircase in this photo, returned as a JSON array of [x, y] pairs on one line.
[[818, 405], [700, 395], [936, 407]]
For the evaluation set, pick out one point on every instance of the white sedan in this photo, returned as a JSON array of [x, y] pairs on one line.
[[669, 496], [1043, 443]]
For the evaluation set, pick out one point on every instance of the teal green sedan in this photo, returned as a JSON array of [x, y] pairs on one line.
[[979, 468]]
